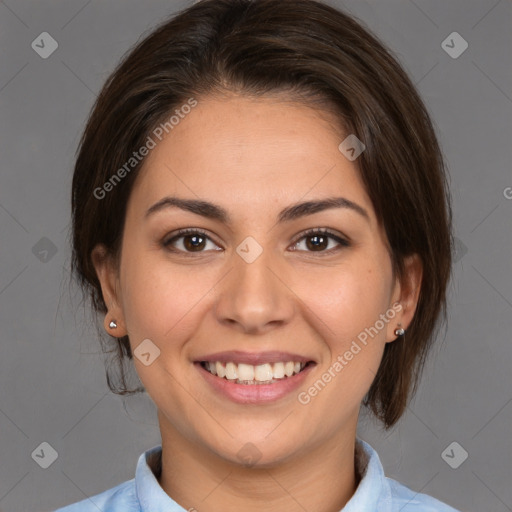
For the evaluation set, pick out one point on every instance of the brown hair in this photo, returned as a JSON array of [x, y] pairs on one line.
[[310, 51]]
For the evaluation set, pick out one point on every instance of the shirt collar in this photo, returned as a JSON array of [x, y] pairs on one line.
[[373, 489], [151, 496]]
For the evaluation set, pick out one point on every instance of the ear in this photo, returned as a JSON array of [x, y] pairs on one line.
[[406, 293], [107, 273]]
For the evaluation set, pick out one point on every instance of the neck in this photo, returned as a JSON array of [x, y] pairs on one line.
[[323, 480]]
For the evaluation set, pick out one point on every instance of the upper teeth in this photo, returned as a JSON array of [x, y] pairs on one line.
[[247, 372]]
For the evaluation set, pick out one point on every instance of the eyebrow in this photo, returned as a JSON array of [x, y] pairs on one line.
[[292, 212]]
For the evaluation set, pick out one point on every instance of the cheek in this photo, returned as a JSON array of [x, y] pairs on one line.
[[347, 300], [156, 296], [348, 309]]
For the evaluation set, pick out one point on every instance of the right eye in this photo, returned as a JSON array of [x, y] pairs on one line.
[[194, 241]]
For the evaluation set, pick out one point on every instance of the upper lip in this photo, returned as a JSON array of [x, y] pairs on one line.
[[254, 358]]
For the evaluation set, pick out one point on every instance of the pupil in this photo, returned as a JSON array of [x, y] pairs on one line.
[[193, 245], [317, 245]]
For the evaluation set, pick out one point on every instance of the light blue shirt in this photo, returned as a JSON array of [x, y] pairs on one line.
[[375, 492]]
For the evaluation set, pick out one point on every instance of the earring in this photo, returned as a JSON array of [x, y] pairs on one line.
[[112, 324], [399, 331]]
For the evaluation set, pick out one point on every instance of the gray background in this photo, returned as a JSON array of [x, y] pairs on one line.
[[52, 383]]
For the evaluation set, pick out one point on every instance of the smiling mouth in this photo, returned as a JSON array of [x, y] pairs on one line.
[[268, 373]]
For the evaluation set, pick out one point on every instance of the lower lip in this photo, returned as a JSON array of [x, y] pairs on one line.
[[255, 393]]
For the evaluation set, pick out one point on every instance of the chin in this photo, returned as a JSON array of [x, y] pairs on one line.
[[258, 453]]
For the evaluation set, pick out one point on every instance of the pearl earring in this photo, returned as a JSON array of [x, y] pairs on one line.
[[112, 324], [399, 331]]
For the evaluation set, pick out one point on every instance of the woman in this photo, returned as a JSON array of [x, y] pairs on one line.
[[261, 216]]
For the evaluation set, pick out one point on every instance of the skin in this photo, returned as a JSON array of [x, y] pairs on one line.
[[254, 157]]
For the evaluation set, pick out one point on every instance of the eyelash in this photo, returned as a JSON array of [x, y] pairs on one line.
[[309, 233]]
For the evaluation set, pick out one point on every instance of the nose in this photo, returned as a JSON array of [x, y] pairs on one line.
[[254, 297]]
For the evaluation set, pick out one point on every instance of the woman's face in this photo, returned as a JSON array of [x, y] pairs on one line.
[[251, 288]]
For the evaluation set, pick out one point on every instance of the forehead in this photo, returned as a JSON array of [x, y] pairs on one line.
[[248, 152]]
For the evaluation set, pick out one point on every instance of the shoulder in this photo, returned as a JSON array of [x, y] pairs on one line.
[[407, 500], [120, 498]]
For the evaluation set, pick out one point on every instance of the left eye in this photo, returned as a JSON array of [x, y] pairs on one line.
[[317, 240], [195, 240]]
